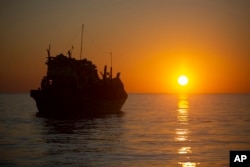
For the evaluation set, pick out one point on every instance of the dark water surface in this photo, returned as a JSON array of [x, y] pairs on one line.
[[155, 130]]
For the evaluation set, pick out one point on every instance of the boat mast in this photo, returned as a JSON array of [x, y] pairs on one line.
[[48, 51], [81, 42], [111, 65]]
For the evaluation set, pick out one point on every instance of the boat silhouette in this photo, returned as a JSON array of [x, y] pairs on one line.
[[73, 88]]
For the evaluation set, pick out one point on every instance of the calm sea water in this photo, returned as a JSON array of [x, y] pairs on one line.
[[155, 130]]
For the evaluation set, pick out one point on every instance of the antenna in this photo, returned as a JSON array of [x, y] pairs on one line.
[[81, 42], [111, 59], [48, 51], [111, 65]]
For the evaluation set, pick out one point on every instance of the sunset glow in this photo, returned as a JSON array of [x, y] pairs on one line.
[[153, 43]]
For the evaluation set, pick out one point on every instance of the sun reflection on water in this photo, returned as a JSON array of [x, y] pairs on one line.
[[183, 133], [188, 164], [185, 150]]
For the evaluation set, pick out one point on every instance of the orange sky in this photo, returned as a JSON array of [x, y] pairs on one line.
[[153, 42]]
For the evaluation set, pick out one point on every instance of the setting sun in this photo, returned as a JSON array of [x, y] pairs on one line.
[[183, 80]]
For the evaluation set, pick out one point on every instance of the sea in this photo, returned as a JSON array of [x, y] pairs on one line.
[[152, 130]]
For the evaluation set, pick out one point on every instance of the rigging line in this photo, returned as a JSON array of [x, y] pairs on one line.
[[95, 43], [67, 47]]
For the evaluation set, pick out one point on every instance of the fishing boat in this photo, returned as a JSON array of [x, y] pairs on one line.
[[73, 87]]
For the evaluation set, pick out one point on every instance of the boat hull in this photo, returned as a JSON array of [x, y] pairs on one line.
[[74, 104]]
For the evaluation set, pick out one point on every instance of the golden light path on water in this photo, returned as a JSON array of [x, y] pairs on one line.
[[182, 133]]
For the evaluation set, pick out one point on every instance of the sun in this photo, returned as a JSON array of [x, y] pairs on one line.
[[183, 80]]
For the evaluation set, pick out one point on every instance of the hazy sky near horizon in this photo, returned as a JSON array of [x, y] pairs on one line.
[[152, 41]]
